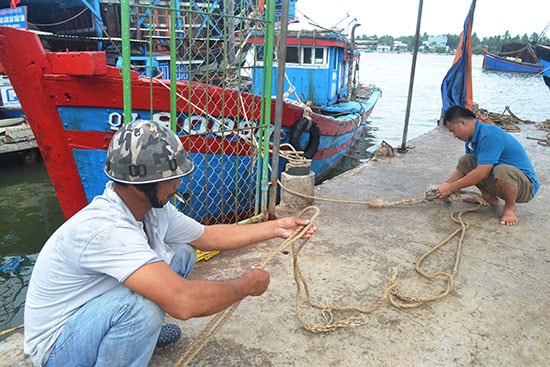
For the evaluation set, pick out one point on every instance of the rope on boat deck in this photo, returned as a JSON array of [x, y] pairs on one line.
[[392, 293]]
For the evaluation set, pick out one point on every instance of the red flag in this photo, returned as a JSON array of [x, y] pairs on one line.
[[13, 3]]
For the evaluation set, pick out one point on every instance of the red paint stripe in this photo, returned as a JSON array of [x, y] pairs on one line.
[[68, 91], [329, 152]]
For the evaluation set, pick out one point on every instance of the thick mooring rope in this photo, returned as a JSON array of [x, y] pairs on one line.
[[221, 318], [392, 294], [8, 331]]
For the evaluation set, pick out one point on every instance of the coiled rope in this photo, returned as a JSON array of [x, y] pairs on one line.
[[392, 294]]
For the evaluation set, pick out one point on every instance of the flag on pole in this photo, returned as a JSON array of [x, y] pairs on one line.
[[456, 89], [13, 3]]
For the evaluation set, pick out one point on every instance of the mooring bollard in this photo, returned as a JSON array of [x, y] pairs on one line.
[[299, 180]]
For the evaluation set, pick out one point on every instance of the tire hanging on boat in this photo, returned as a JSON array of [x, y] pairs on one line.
[[305, 124]]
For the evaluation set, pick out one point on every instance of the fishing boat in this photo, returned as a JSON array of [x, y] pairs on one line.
[[543, 53], [322, 80], [74, 103], [513, 57]]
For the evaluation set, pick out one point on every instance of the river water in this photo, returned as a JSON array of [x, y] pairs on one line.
[[30, 212], [526, 95]]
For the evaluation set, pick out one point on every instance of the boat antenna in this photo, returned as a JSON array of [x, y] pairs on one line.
[[344, 18], [541, 36], [314, 23]]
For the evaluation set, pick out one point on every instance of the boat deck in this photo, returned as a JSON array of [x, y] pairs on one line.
[[496, 315]]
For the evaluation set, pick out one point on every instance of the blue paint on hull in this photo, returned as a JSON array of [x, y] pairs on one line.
[[497, 63], [201, 190]]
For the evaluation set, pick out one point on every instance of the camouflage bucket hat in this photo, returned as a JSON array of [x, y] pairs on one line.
[[145, 152]]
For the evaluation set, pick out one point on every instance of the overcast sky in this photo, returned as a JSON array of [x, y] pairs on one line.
[[398, 17]]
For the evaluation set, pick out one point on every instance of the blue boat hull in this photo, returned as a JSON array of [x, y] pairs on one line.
[[74, 104], [543, 53], [499, 63]]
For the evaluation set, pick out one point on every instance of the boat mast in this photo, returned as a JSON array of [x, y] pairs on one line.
[[351, 64]]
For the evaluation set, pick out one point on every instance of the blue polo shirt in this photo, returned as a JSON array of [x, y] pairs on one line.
[[492, 145]]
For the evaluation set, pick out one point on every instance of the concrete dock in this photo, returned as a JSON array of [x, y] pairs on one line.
[[496, 315]]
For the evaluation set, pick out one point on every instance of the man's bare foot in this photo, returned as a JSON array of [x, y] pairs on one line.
[[491, 201], [509, 218]]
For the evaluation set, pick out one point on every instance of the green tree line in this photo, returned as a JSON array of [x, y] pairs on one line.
[[492, 44]]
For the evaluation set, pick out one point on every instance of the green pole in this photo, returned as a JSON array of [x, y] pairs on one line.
[[266, 101], [281, 67], [126, 64], [173, 65]]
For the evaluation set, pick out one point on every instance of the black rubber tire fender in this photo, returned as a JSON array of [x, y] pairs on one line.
[[296, 132]]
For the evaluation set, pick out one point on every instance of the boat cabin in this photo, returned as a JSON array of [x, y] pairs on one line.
[[317, 67]]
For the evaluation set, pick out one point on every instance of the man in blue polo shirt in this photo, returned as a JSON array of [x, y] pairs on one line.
[[495, 162]]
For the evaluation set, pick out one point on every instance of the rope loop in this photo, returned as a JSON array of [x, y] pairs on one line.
[[330, 313]]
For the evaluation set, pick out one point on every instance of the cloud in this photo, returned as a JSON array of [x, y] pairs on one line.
[[399, 17]]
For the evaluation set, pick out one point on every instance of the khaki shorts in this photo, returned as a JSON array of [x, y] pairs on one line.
[[506, 173]]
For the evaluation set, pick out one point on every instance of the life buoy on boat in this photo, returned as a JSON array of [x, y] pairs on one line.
[[305, 124]]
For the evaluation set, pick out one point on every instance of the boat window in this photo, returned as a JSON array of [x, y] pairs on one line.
[[307, 56], [319, 56], [292, 55], [259, 50]]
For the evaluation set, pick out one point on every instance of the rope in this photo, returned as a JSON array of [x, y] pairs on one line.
[[506, 122], [400, 300], [429, 195], [392, 293], [8, 331], [63, 21], [221, 318], [294, 157]]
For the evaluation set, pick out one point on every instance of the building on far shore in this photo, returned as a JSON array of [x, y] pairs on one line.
[[383, 48], [434, 43], [399, 46]]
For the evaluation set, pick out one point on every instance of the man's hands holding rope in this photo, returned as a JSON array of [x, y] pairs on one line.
[[444, 190], [258, 280], [287, 226]]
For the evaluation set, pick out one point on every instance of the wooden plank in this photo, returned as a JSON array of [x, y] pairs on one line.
[[17, 134]]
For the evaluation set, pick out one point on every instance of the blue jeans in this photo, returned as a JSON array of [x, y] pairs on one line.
[[118, 328]]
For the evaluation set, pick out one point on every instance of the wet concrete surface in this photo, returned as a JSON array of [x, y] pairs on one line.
[[496, 315]]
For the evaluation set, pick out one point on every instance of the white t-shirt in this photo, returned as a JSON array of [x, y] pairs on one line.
[[94, 251]]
